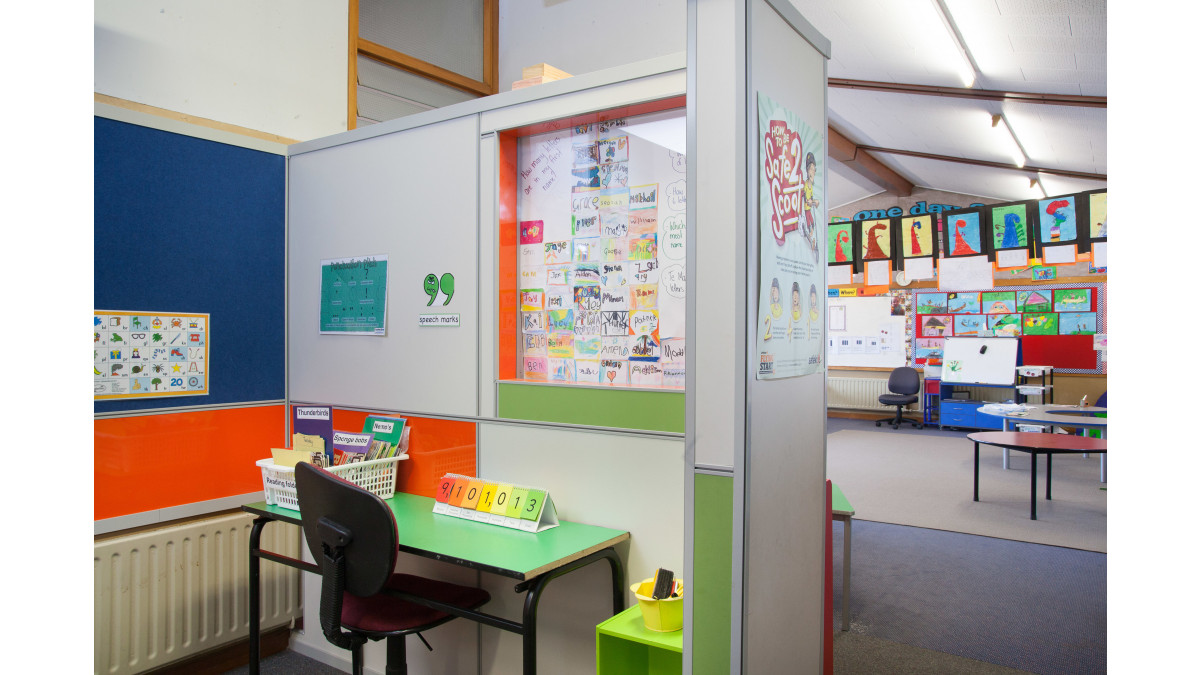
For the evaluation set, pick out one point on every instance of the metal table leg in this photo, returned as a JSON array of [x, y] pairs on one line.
[[1005, 450], [1033, 487], [255, 600], [846, 573], [976, 470]]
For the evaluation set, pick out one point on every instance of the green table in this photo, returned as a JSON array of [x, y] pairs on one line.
[[843, 511], [624, 646], [533, 559]]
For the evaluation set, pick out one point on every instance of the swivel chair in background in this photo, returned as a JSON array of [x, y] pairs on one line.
[[352, 536], [905, 386]]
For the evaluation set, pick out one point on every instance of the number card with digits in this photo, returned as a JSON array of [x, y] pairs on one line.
[[505, 504]]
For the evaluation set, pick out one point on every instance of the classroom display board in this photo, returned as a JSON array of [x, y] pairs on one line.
[[143, 354], [867, 333], [354, 295], [601, 249], [980, 360]]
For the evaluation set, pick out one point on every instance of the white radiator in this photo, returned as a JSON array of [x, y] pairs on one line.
[[170, 593], [858, 393]]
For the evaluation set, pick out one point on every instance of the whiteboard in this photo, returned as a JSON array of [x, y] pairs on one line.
[[866, 319], [973, 360]]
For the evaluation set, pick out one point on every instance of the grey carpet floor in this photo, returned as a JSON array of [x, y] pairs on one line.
[[924, 479]]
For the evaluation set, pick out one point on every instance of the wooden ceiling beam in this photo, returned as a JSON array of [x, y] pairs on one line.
[[852, 155], [1028, 168], [975, 94]]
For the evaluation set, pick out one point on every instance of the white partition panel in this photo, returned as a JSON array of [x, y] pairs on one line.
[[623, 481], [411, 195], [784, 466]]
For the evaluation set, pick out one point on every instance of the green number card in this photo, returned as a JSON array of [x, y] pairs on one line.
[[519, 507]]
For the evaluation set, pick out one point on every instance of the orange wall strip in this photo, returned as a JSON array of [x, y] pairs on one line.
[[435, 447], [152, 462]]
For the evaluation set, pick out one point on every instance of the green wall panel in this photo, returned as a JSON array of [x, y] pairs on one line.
[[712, 561], [649, 410]]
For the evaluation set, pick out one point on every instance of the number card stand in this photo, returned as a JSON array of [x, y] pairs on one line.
[[514, 506]]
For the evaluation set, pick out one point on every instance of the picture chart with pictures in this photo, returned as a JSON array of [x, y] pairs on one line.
[[143, 354], [602, 238]]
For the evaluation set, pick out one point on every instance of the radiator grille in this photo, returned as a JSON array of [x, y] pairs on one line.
[[858, 393], [170, 593]]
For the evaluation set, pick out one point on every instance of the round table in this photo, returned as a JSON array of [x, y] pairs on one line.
[[1059, 416], [1036, 444]]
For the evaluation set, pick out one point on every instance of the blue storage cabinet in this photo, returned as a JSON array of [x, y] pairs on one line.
[[962, 413]]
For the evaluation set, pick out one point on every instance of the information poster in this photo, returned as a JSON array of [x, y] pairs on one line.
[[354, 296], [140, 354], [791, 299]]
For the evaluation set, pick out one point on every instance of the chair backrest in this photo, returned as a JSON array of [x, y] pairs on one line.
[[1102, 402], [337, 513], [904, 380]]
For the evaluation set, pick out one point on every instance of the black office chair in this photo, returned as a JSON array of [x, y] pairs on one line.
[[352, 536], [905, 386]]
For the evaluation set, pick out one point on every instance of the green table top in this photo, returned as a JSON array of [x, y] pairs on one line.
[[841, 505], [491, 548], [629, 626]]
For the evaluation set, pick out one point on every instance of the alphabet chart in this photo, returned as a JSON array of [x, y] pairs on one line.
[[140, 354], [518, 507]]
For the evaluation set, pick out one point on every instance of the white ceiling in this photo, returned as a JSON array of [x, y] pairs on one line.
[[1030, 46]]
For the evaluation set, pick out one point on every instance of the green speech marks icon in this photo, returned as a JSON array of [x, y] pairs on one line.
[[431, 288], [445, 284], [448, 287]]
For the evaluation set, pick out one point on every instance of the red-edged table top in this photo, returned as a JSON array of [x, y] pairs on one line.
[[1038, 441]]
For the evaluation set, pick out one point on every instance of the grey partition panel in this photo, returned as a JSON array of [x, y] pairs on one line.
[[413, 196], [784, 465]]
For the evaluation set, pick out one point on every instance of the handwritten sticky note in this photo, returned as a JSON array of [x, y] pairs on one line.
[[533, 505]]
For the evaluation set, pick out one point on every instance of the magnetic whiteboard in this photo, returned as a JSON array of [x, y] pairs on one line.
[[866, 319], [980, 360]]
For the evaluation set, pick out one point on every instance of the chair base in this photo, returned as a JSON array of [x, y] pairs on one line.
[[898, 419]]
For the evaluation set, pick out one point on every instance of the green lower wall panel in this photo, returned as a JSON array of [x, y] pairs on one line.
[[647, 410], [712, 563]]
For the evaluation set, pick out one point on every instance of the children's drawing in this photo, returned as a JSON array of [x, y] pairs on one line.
[[937, 326], [1073, 300], [839, 243], [612, 275], [560, 298], [929, 351], [561, 369], [533, 322], [534, 368], [1077, 323], [964, 234], [644, 247], [556, 276], [532, 299], [644, 221], [970, 325], [1098, 210], [585, 154], [1057, 219], [562, 320], [1044, 273], [586, 250], [916, 233], [535, 344], [614, 223], [931, 303], [643, 197], [1009, 226], [615, 149], [588, 347], [643, 296], [673, 351], [1033, 301], [556, 252], [614, 323], [586, 176], [585, 273], [613, 371], [614, 249], [645, 374], [673, 376], [587, 370], [614, 299], [587, 297], [587, 322], [614, 175], [876, 239], [1005, 325], [643, 348], [643, 321], [561, 345], [962, 303], [998, 302], [531, 231], [614, 347], [1039, 324]]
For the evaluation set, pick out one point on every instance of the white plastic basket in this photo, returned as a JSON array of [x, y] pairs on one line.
[[377, 476]]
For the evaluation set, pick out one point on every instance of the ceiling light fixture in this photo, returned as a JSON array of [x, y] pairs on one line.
[[967, 70], [1015, 149]]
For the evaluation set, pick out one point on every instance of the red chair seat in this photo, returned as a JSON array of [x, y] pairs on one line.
[[384, 614]]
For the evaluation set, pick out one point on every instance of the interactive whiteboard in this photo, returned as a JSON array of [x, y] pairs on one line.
[[971, 360]]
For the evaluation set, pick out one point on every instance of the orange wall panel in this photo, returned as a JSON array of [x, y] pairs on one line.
[[152, 462]]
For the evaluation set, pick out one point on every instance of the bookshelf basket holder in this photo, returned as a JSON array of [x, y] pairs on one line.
[[377, 476]]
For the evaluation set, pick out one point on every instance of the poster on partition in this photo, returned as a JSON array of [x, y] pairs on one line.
[[354, 296], [791, 297], [145, 354]]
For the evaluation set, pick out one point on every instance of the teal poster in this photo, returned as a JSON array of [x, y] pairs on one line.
[[354, 296], [791, 212]]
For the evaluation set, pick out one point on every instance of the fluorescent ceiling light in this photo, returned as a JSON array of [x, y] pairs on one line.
[[966, 68], [1014, 146]]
